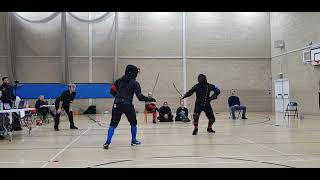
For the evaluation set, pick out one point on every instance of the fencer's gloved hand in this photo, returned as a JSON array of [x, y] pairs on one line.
[[113, 90], [213, 97], [151, 99]]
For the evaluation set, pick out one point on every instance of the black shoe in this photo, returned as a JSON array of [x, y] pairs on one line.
[[106, 146], [195, 132], [210, 130], [56, 129], [154, 121], [135, 143], [234, 118], [1, 137], [73, 127], [244, 117]]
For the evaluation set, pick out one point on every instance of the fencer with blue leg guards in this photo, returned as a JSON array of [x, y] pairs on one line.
[[123, 89]]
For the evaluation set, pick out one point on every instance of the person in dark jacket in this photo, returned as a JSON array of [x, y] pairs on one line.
[[63, 102], [182, 113], [234, 105], [123, 90], [165, 114], [8, 98], [203, 99], [7, 92], [43, 111]]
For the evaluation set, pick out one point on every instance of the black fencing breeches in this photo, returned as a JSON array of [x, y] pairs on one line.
[[207, 110], [118, 110]]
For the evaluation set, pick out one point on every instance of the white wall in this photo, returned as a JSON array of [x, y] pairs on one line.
[[231, 48], [297, 29]]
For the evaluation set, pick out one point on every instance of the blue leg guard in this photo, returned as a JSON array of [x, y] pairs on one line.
[[110, 134], [134, 134]]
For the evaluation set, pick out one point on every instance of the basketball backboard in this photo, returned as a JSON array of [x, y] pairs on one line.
[[315, 55]]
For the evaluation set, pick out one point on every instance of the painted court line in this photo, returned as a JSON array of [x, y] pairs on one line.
[[65, 148], [266, 147]]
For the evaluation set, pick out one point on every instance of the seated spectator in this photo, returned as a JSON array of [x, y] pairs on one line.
[[151, 107], [43, 111], [165, 114], [182, 114], [234, 105]]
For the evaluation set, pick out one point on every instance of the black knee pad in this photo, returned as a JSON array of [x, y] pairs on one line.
[[133, 123]]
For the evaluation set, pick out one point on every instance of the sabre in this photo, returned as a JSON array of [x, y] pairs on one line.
[[177, 89], [155, 83]]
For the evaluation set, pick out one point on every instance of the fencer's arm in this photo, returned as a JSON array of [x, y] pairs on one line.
[[216, 92], [190, 92], [139, 95]]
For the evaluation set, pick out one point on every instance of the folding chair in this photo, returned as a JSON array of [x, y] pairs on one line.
[[47, 117], [147, 111], [235, 112], [292, 107]]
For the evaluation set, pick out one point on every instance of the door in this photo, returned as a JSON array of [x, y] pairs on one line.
[[281, 87]]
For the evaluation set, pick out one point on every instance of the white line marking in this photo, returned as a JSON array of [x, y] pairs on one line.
[[266, 147], [65, 148]]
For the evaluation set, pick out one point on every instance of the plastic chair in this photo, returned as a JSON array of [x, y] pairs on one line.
[[235, 112], [292, 107]]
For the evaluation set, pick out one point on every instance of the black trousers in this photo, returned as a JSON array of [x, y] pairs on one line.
[[207, 110], [57, 116], [163, 119], [126, 109]]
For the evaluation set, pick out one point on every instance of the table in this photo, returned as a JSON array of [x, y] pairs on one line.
[[47, 106], [21, 112]]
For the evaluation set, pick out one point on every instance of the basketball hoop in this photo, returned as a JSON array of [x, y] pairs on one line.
[[315, 55]]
